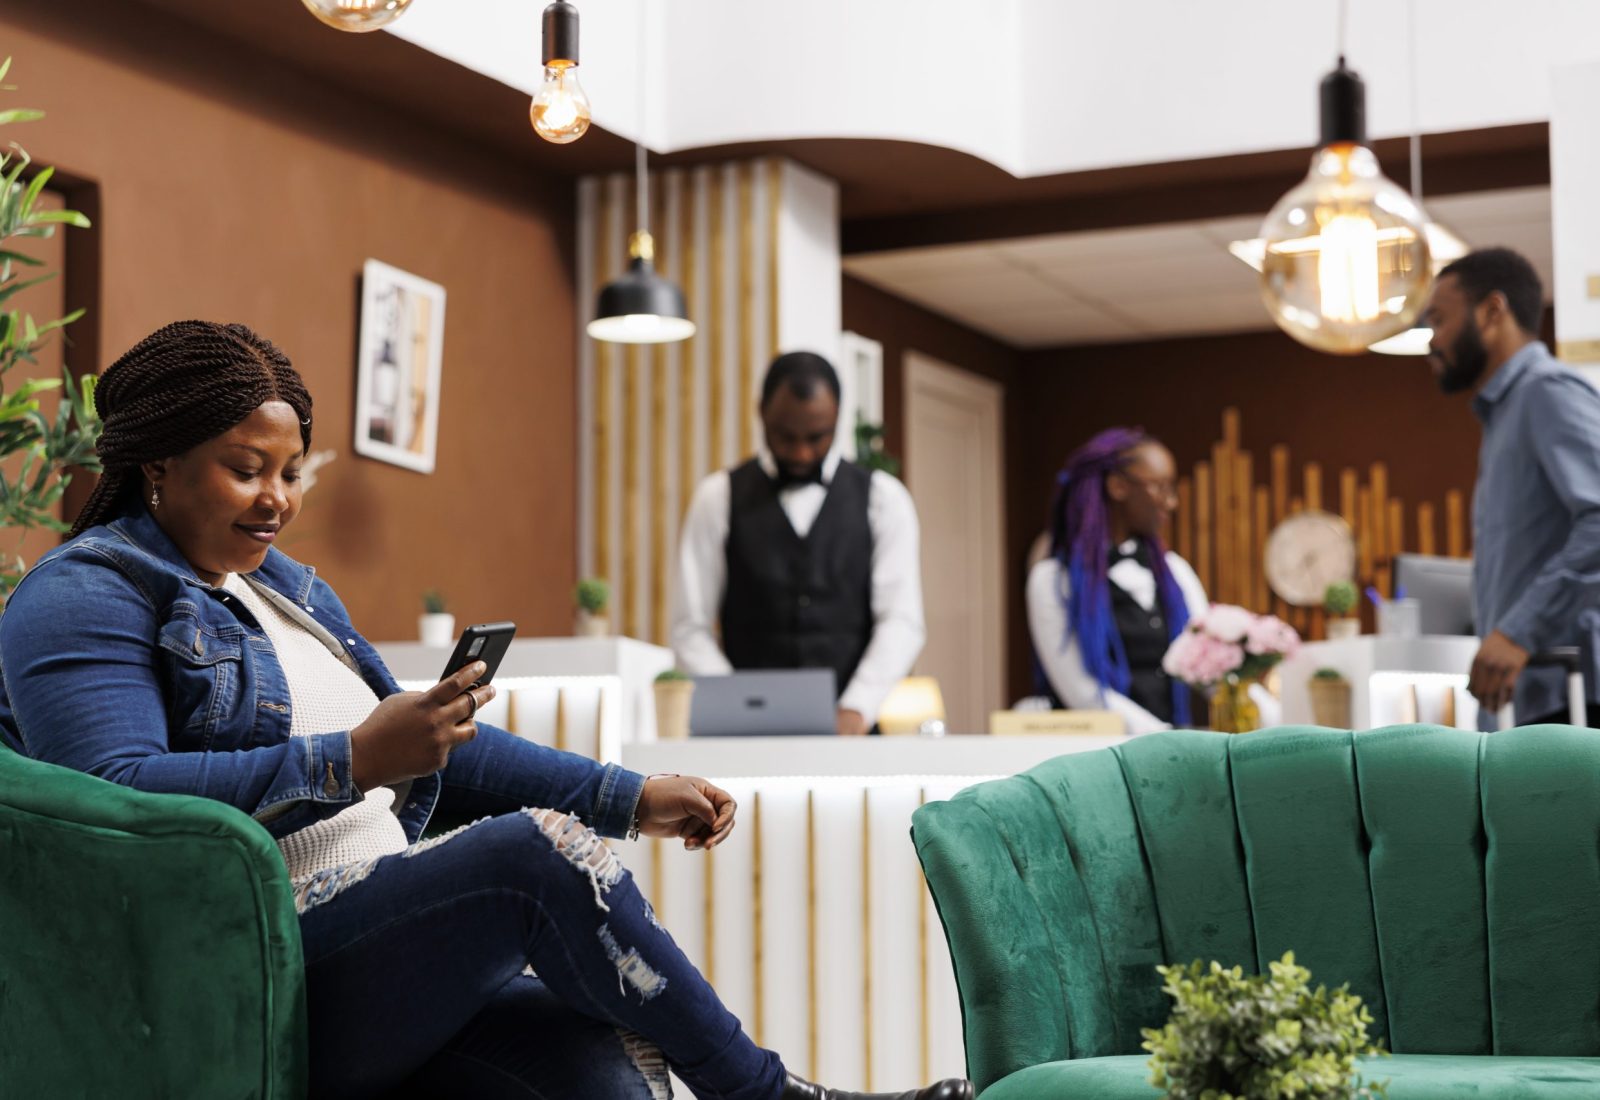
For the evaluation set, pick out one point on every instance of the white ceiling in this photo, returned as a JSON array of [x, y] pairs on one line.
[[1149, 282]]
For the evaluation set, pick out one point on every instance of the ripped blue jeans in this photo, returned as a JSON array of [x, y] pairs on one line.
[[510, 958]]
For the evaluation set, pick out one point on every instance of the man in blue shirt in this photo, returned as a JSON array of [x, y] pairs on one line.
[[1536, 509]]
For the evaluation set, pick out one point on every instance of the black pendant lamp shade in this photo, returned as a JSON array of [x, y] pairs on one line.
[[641, 307]]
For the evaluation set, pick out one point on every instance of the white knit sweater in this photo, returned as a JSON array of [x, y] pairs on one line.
[[326, 694]]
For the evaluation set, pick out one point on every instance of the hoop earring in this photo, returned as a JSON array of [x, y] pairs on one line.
[[155, 497]]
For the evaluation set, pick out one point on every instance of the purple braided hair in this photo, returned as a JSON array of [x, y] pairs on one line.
[[1080, 539]]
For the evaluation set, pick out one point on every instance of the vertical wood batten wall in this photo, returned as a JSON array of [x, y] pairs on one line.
[[758, 278]]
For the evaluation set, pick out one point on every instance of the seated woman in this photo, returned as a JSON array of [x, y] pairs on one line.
[[1106, 603], [168, 646]]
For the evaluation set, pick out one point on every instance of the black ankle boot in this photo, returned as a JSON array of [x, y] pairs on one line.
[[953, 1088]]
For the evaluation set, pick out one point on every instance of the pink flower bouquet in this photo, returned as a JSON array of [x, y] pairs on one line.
[[1229, 643]]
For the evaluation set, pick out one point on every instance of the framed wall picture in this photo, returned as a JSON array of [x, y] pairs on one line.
[[400, 357]]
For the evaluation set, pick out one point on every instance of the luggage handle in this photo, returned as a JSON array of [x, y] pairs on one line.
[[1569, 658]]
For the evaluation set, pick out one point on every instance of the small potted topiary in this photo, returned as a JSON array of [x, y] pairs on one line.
[[1338, 601], [436, 625], [1330, 699], [674, 693], [593, 596], [1259, 1036]]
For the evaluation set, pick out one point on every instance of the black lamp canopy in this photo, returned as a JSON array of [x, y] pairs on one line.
[[560, 34]]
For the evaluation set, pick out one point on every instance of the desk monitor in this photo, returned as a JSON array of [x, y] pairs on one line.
[[776, 703], [1443, 589]]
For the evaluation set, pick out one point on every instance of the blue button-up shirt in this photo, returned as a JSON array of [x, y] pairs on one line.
[[1536, 519]]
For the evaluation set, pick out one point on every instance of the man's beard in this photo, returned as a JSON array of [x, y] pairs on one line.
[[1467, 361]]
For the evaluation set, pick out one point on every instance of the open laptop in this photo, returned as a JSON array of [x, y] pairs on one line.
[[786, 702]]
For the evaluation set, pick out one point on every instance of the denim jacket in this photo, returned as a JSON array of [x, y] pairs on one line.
[[116, 660]]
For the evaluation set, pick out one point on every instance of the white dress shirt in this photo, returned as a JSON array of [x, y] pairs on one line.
[[702, 576]]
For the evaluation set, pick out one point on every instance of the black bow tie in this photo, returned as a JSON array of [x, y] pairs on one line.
[[787, 480]]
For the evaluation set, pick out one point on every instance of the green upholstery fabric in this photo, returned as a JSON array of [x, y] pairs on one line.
[[1451, 878], [148, 944], [1410, 1077]]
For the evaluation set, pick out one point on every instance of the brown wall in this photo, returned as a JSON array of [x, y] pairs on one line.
[[236, 188]]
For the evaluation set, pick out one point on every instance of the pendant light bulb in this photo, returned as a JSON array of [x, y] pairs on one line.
[[357, 16], [560, 110], [1346, 259]]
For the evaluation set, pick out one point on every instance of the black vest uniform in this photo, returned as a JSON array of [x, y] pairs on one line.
[[792, 602], [1144, 639]]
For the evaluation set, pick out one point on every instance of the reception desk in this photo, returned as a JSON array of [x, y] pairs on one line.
[[812, 920], [1392, 680]]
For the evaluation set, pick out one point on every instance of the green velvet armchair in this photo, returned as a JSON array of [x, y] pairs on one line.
[[1452, 878], [148, 944]]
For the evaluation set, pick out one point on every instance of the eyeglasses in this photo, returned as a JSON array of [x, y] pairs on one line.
[[1165, 489]]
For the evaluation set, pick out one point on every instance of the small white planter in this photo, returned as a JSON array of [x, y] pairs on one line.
[[590, 625], [674, 699], [1343, 628], [438, 629]]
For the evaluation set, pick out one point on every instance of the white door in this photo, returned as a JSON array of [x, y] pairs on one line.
[[954, 469]]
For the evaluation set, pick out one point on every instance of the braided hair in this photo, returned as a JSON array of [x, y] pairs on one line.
[[1080, 540], [175, 389]]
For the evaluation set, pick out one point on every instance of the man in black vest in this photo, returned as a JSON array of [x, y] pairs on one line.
[[801, 559]]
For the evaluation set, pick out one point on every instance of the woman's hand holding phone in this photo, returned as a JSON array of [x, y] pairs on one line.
[[411, 733]]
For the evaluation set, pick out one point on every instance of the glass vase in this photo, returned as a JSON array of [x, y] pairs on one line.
[[1232, 709]]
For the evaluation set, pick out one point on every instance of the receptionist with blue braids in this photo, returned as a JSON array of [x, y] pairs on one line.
[[1103, 607]]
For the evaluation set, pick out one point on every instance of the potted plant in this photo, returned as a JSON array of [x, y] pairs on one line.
[[436, 625], [593, 596], [1223, 652], [1259, 1036], [32, 486], [1330, 699], [1338, 601], [674, 692]]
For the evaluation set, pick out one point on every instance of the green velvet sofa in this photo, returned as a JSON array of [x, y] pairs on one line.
[[1451, 878], [148, 945]]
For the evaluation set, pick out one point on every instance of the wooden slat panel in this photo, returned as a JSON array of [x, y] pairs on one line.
[[1455, 524], [1203, 527], [1313, 489], [1244, 547], [1364, 533], [774, 228], [1263, 526], [688, 370], [1425, 529], [744, 337], [605, 266], [716, 296], [1379, 518], [1222, 467], [633, 579], [660, 431], [1348, 502], [1280, 483], [1183, 520]]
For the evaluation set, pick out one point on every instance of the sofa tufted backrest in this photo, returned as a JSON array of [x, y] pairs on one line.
[[1451, 878]]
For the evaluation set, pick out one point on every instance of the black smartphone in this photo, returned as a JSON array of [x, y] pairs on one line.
[[486, 642]]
